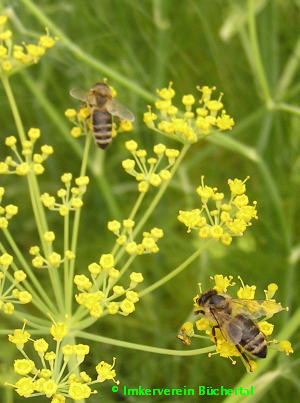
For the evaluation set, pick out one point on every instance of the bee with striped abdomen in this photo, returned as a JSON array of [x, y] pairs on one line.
[[236, 320], [103, 107]]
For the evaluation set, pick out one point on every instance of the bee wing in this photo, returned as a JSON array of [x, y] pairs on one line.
[[117, 109], [255, 308], [229, 326], [79, 93]]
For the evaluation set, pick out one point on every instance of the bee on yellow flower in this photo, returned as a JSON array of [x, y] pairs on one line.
[[231, 323]]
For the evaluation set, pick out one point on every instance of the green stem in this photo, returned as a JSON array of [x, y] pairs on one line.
[[289, 71], [14, 108], [273, 193], [142, 347], [97, 167], [43, 323], [5, 332], [256, 53], [176, 271], [80, 54], [8, 395], [69, 289], [136, 206], [288, 108], [66, 261]]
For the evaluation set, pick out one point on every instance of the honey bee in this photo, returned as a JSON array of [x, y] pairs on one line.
[[103, 107], [236, 320]]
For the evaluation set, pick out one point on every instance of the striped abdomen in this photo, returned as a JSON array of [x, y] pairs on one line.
[[102, 128], [253, 340]]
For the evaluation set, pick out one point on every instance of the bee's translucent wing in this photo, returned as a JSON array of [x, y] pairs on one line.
[[117, 109], [255, 308], [79, 93], [228, 325]]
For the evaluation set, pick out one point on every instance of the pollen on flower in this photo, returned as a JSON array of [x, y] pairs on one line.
[[222, 282], [23, 366], [107, 261], [70, 113], [76, 132], [20, 56], [54, 259], [286, 347], [125, 126], [82, 282], [217, 218], [127, 307], [194, 123]]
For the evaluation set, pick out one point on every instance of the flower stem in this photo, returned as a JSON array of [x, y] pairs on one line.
[[66, 261], [288, 108], [34, 191], [176, 271], [256, 53], [289, 70], [142, 347], [69, 288], [136, 206]]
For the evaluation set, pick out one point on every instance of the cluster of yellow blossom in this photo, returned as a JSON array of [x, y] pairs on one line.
[[105, 275], [15, 57], [6, 212], [225, 219], [30, 162], [54, 259], [71, 197], [81, 120], [244, 304], [14, 293], [145, 170], [190, 125], [124, 234], [48, 375]]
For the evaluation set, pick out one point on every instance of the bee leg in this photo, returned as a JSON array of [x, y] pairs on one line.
[[244, 356], [213, 332]]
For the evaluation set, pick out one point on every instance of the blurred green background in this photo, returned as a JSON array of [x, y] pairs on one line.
[[141, 46]]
